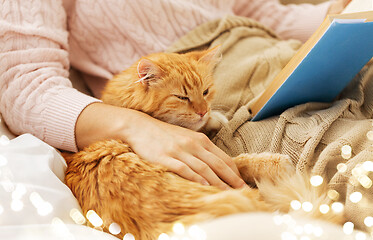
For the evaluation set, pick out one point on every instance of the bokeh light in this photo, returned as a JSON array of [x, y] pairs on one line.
[[324, 208], [128, 236], [346, 151], [295, 204], [77, 216], [342, 167], [348, 228], [316, 180], [178, 228], [337, 207], [355, 197], [114, 228], [94, 218]]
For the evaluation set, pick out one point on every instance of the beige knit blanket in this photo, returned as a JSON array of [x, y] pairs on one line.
[[313, 134]]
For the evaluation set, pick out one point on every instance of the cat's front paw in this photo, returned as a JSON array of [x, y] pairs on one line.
[[215, 122], [257, 166]]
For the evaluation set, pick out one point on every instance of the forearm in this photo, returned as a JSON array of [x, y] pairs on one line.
[[36, 94], [99, 121], [296, 21]]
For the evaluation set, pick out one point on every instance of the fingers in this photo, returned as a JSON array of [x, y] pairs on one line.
[[204, 170], [220, 162], [222, 169], [183, 170], [210, 162], [222, 155]]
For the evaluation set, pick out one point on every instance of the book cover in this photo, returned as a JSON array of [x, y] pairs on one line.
[[323, 67]]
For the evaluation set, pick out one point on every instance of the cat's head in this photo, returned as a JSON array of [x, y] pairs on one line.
[[179, 87]]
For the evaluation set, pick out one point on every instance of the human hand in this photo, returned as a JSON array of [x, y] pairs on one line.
[[189, 154], [338, 6]]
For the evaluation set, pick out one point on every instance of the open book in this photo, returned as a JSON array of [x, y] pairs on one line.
[[322, 67]]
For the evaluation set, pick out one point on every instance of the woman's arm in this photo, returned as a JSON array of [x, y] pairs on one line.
[[36, 94], [37, 97], [296, 21], [189, 154]]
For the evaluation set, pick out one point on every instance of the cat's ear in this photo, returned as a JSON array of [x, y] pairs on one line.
[[148, 72], [211, 56]]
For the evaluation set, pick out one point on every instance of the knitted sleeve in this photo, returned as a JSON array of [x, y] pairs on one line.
[[296, 21], [36, 95]]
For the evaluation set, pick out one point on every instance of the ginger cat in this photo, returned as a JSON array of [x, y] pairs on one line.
[[145, 199]]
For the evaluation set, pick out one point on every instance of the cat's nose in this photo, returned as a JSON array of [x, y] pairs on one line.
[[202, 113]]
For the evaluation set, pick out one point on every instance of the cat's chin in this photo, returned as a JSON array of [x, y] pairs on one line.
[[198, 125], [195, 125]]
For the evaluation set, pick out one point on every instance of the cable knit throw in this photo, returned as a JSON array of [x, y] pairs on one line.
[[313, 134]]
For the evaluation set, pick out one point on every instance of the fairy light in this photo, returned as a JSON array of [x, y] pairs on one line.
[[43, 207], [163, 236], [355, 197], [16, 205], [77, 216], [348, 228], [197, 233], [36, 199], [19, 191], [288, 236], [358, 170], [333, 194], [365, 181], [128, 236], [307, 206], [61, 229], [370, 135], [114, 228], [316, 180], [368, 166], [337, 207], [318, 231], [278, 220], [341, 167], [94, 218], [295, 204], [324, 208], [368, 221], [360, 236], [346, 151], [289, 221], [178, 228]]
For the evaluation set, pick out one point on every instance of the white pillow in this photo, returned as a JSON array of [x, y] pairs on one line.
[[34, 201]]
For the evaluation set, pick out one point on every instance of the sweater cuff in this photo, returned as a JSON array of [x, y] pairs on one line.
[[61, 115], [308, 22]]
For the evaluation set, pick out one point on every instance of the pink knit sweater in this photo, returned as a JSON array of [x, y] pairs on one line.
[[40, 39]]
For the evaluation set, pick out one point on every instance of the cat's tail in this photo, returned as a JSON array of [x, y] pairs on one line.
[[298, 195]]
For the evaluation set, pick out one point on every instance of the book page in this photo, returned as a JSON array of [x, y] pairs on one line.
[[359, 6]]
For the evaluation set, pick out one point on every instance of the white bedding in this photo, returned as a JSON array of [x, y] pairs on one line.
[[36, 204]]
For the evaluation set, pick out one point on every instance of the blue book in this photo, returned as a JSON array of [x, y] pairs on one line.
[[323, 66]]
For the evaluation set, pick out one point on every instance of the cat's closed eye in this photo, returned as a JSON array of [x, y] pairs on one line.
[[182, 97], [206, 92]]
